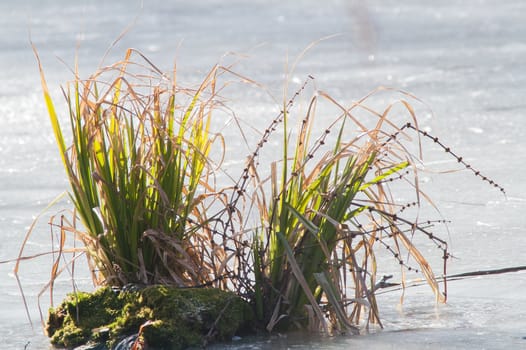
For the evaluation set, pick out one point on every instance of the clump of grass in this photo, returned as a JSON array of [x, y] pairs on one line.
[[142, 181], [140, 173], [327, 210]]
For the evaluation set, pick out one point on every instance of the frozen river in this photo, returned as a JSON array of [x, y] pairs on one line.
[[465, 59]]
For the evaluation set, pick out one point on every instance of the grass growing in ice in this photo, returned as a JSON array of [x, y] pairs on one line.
[[142, 168]]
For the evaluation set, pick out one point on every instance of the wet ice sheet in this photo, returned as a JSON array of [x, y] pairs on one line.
[[463, 60]]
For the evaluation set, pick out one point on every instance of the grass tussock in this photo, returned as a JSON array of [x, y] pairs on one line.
[[142, 167], [140, 174]]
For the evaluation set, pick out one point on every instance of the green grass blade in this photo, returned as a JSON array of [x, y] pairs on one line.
[[333, 296], [392, 170], [53, 117], [296, 270]]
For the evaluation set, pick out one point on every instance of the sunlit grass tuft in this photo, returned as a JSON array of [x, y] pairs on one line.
[[139, 171], [326, 210]]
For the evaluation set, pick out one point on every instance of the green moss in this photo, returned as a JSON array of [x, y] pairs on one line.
[[69, 336], [170, 318], [190, 314], [72, 322]]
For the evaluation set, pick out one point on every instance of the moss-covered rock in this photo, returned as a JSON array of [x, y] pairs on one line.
[[164, 317]]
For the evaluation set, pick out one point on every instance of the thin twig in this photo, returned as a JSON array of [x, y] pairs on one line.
[[487, 272], [459, 276]]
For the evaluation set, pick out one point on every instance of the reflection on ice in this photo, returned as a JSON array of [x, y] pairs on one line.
[[475, 130]]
